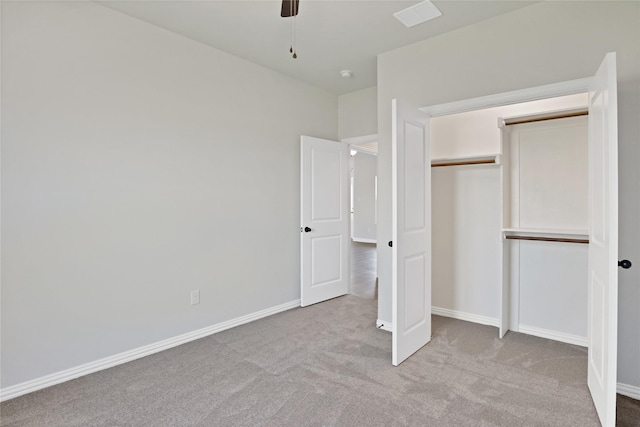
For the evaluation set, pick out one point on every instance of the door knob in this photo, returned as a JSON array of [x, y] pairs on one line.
[[307, 229], [625, 263]]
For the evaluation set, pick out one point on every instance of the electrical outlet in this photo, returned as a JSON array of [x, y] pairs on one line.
[[195, 297]]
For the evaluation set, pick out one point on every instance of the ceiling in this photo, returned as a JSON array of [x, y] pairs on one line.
[[330, 35]]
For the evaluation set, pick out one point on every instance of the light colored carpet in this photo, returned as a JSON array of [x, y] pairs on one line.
[[328, 365], [628, 412]]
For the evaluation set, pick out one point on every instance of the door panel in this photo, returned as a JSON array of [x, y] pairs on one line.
[[414, 308], [325, 183], [325, 256], [411, 222], [325, 222], [603, 240]]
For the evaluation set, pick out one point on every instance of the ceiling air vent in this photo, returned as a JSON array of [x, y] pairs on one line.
[[417, 14]]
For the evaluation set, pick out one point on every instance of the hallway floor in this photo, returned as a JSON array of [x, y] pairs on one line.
[[363, 270]]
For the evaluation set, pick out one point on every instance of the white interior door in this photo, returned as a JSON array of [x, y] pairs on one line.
[[603, 240], [411, 221], [324, 231]]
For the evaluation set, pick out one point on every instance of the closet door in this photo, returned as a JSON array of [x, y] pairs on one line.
[[603, 240], [411, 231]]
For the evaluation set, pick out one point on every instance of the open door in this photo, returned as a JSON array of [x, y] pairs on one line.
[[324, 213], [603, 240], [411, 222]]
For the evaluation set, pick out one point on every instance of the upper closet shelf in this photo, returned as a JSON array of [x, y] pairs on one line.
[[550, 115], [549, 235], [466, 160]]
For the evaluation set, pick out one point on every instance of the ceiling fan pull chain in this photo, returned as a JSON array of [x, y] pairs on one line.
[[292, 36], [293, 41], [291, 13]]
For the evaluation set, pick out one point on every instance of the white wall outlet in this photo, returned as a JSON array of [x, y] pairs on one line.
[[195, 297]]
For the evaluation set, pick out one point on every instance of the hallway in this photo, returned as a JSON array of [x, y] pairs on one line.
[[363, 270]]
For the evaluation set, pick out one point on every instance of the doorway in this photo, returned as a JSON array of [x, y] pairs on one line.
[[603, 221], [546, 278], [363, 166]]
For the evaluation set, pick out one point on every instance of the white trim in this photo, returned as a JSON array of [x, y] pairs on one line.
[[554, 335], [360, 139], [385, 326], [360, 240], [469, 317], [137, 353], [570, 87], [631, 391], [363, 150]]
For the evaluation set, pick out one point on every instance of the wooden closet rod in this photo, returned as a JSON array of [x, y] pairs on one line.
[[464, 162], [551, 116], [547, 239]]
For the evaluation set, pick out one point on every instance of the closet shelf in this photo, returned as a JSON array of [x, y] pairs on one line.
[[466, 160], [551, 115], [547, 235]]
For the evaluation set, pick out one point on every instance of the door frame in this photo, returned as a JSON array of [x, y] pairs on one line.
[[570, 87], [352, 143], [348, 142], [537, 93]]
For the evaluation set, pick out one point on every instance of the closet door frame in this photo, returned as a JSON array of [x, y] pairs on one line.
[[606, 412], [571, 87]]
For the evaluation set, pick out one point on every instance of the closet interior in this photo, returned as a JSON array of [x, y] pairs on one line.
[[510, 217]]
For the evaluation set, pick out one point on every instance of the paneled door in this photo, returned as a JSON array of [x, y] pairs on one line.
[[411, 232], [324, 213], [603, 240]]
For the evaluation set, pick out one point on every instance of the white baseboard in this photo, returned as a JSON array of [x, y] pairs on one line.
[[137, 353], [385, 326], [362, 240], [631, 391], [554, 335], [454, 314], [469, 317]]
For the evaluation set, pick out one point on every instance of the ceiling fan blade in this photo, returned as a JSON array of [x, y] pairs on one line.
[[289, 8]]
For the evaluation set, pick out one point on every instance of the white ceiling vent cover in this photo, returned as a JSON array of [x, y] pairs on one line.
[[417, 14]]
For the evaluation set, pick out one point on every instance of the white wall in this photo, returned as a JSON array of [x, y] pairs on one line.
[[365, 168], [466, 229], [358, 113], [510, 52], [138, 165], [552, 281], [466, 262], [549, 174], [476, 133]]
